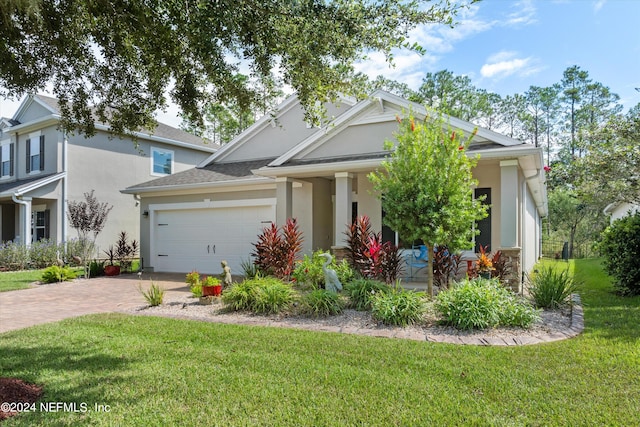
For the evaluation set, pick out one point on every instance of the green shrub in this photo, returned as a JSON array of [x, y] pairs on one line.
[[620, 247], [262, 295], [241, 296], [360, 292], [14, 256], [550, 288], [249, 269], [308, 272], [321, 303], [96, 268], [55, 274], [482, 304], [398, 307], [154, 296], [43, 253], [272, 297]]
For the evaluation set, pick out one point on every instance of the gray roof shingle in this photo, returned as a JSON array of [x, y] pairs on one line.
[[215, 172], [162, 130]]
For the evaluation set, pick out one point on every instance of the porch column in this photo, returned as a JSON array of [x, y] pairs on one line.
[[509, 220], [284, 200], [25, 219], [342, 206], [509, 203]]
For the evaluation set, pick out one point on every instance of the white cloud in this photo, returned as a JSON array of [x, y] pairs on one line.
[[506, 63], [598, 5], [525, 14]]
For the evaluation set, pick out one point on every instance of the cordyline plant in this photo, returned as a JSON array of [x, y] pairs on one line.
[[426, 186], [369, 255], [88, 218], [276, 250]]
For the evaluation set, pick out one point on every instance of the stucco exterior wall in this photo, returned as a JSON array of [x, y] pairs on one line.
[[530, 231], [487, 172], [109, 165]]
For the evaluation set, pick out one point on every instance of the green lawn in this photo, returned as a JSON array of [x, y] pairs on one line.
[[155, 371], [14, 280]]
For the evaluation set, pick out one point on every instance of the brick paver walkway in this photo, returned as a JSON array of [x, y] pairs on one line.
[[50, 303]]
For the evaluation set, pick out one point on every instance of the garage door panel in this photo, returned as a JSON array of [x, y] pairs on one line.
[[201, 238]]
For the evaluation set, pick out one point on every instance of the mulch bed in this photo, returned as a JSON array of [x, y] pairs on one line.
[[14, 390]]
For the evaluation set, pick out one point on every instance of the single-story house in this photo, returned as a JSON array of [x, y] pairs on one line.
[[283, 167]]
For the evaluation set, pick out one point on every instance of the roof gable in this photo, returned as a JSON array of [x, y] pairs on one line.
[[363, 129], [274, 134]]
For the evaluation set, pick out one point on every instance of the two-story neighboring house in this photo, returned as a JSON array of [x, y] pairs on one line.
[[42, 168]]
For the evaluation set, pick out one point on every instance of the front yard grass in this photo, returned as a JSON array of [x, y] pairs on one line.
[[158, 371], [15, 280]]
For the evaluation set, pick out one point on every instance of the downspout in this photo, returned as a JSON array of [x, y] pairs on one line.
[[26, 218], [63, 233]]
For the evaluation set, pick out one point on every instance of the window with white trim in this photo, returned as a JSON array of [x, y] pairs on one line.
[[40, 223], [161, 161], [6, 160], [35, 153]]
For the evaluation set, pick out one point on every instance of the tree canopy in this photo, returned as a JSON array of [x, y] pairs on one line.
[[426, 186], [115, 60]]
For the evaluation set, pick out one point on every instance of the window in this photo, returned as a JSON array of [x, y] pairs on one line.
[[40, 225], [161, 161], [484, 225], [35, 153], [6, 160]]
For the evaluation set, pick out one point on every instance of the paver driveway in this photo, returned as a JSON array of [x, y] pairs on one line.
[[50, 303]]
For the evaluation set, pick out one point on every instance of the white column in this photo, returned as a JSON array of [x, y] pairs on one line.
[[25, 219], [342, 206], [509, 204], [284, 200]]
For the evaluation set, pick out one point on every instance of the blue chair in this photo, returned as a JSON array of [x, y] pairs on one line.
[[417, 261]]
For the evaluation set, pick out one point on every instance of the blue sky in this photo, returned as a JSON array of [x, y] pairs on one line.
[[507, 46]]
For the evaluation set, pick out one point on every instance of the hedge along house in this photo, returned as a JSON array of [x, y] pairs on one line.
[[281, 167], [42, 168]]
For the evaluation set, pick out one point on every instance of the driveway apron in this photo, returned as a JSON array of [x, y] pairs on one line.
[[54, 302]]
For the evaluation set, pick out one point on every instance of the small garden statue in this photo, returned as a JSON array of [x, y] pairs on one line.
[[331, 281], [226, 274]]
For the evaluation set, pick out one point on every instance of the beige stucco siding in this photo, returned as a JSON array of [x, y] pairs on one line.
[[487, 172], [353, 140], [109, 165]]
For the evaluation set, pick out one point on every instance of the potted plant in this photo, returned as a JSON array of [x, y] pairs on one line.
[[111, 269], [484, 265], [195, 286], [125, 251], [211, 286]]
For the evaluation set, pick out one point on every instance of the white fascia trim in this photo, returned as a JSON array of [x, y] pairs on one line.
[[323, 168], [608, 210], [24, 190], [197, 186], [208, 204], [38, 123]]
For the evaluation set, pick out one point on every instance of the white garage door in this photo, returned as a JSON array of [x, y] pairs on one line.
[[199, 239]]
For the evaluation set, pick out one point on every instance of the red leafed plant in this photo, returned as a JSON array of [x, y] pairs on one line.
[[368, 255], [276, 250]]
